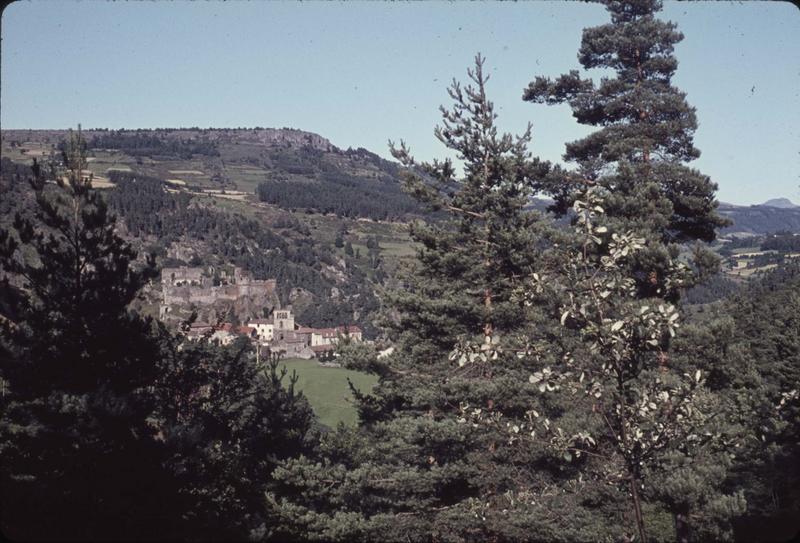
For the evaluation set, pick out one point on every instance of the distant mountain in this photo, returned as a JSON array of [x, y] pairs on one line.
[[782, 203], [762, 219]]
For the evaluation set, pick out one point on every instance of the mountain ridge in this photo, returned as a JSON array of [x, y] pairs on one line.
[[295, 169], [781, 203]]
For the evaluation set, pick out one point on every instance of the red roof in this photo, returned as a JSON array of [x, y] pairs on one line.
[[322, 348], [339, 330], [244, 330]]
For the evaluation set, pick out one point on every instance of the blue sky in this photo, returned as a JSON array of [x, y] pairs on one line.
[[362, 73]]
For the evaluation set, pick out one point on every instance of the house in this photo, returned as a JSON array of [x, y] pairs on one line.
[[292, 345], [222, 337], [236, 330], [223, 334], [197, 330], [264, 328], [330, 336], [275, 327]]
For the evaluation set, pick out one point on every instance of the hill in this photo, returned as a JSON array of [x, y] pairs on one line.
[[783, 203], [328, 224], [761, 219], [290, 168], [189, 195]]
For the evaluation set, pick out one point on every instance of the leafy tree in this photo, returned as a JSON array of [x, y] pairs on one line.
[[649, 419]]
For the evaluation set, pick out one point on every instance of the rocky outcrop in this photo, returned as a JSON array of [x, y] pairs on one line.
[[187, 289]]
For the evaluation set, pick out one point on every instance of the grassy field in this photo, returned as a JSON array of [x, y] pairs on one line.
[[401, 249], [327, 389]]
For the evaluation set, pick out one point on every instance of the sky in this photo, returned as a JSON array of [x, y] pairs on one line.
[[363, 73]]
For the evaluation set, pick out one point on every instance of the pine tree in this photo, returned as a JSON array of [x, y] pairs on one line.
[[79, 461], [440, 454], [645, 139], [471, 264], [766, 335], [112, 427], [633, 193], [226, 423]]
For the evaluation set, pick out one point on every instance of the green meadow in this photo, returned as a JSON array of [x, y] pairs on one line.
[[327, 389]]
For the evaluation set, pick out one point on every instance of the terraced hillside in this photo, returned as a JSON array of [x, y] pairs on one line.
[[191, 197]]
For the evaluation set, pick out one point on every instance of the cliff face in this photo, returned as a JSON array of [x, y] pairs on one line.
[[287, 137]]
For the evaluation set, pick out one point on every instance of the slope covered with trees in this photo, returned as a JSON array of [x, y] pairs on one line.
[[110, 429], [222, 237]]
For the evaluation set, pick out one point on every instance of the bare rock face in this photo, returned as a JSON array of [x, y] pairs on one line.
[[299, 296], [187, 289], [291, 137], [301, 300]]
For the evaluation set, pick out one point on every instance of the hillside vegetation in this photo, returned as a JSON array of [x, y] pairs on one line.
[[284, 204]]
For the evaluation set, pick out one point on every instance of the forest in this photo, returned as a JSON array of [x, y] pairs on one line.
[[144, 144], [548, 378], [335, 191]]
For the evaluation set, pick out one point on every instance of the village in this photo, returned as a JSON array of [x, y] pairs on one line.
[[203, 290]]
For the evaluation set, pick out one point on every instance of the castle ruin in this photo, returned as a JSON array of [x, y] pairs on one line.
[[187, 288]]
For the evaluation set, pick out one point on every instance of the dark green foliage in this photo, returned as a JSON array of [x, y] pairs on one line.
[[345, 195], [417, 469], [365, 187], [470, 265], [767, 320], [637, 159], [714, 289], [79, 459], [226, 423], [748, 346], [645, 136], [781, 241], [113, 428], [232, 238], [144, 143], [338, 242], [15, 193]]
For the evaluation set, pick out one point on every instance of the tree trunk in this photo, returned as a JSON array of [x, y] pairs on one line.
[[637, 507], [683, 531]]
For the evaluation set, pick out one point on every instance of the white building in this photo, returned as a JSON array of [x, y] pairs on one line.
[[264, 328], [272, 328]]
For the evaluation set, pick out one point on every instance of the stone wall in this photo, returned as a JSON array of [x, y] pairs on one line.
[[188, 294], [182, 275], [185, 288]]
